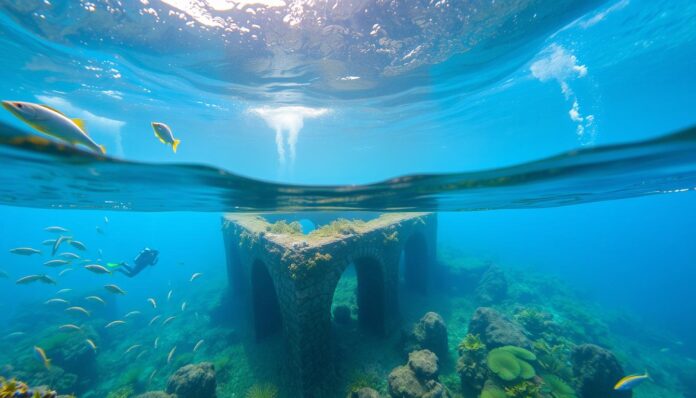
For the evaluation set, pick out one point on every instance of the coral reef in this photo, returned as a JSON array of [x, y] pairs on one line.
[[493, 286], [597, 370], [16, 389], [510, 363], [193, 381], [471, 342], [496, 330]]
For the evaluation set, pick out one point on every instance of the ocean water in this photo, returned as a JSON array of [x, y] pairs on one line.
[[552, 144]]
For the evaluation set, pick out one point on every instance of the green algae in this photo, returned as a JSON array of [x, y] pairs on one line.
[[471, 342], [510, 363], [265, 390]]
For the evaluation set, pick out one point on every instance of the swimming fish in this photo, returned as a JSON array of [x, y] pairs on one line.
[[78, 245], [171, 355], [166, 321], [97, 269], [156, 342], [53, 122], [25, 251], [140, 354], [48, 242], [195, 347], [96, 298], [69, 326], [183, 306], [169, 295], [164, 134], [154, 319], [57, 244], [14, 334], [56, 300], [152, 302], [99, 230], [91, 344], [149, 379], [131, 348], [34, 278], [55, 228], [114, 323], [65, 271], [195, 276], [55, 263], [68, 255], [3, 274], [42, 356], [114, 289], [106, 220], [78, 309], [629, 382], [62, 291], [132, 313]]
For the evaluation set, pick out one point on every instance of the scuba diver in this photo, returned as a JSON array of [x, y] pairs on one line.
[[147, 257]]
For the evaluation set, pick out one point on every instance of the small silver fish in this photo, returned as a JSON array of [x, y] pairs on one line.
[[195, 276], [78, 245], [131, 348], [70, 326], [97, 299], [70, 256], [14, 334], [25, 251], [132, 313], [4, 274], [156, 342], [54, 263], [34, 278], [114, 289], [48, 242], [152, 302], [198, 345], [115, 323], [78, 309], [57, 244], [97, 269], [152, 375], [169, 295], [183, 306], [91, 344], [56, 229], [106, 220], [63, 291], [171, 355], [56, 301], [166, 321], [154, 319], [65, 271]]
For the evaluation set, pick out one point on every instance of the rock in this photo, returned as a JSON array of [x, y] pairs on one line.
[[424, 363], [155, 394], [403, 383], [365, 392], [492, 288], [430, 333], [473, 371], [495, 330], [342, 314], [193, 381], [597, 370]]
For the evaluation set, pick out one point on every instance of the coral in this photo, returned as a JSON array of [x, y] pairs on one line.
[[265, 390], [360, 380], [523, 389], [510, 363], [338, 227], [285, 228], [496, 330], [490, 390], [471, 342], [554, 359], [193, 381], [17, 389], [556, 387], [534, 321]]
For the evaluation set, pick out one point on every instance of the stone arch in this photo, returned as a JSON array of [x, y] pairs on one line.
[[264, 300], [416, 261], [370, 294]]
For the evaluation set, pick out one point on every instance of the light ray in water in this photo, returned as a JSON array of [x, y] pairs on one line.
[[73, 179]]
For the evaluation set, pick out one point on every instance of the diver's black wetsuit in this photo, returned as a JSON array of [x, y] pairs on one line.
[[146, 258]]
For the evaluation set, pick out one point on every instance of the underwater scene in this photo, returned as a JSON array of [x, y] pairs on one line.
[[348, 199]]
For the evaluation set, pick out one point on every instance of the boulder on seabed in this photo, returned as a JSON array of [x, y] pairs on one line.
[[492, 287], [430, 333], [495, 330], [193, 381], [418, 378], [597, 370]]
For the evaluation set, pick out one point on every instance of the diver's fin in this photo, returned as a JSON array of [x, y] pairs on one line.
[[81, 124], [175, 145], [102, 148], [53, 109]]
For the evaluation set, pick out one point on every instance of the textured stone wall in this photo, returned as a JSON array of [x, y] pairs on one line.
[[305, 273]]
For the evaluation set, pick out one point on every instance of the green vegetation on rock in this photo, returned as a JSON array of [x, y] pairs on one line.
[[523, 389], [471, 342], [338, 227], [265, 390], [510, 363], [556, 387], [285, 228]]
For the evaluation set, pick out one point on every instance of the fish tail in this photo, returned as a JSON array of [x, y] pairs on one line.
[[102, 148], [47, 363], [175, 145]]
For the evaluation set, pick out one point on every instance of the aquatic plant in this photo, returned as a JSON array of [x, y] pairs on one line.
[[471, 342], [523, 389], [16, 389], [533, 320], [556, 387], [510, 363], [554, 359], [265, 390], [122, 392], [490, 390], [285, 228], [337, 227], [361, 380]]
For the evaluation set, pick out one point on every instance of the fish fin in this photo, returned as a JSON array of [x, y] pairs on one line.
[[53, 109], [102, 148], [175, 145], [81, 124], [159, 138]]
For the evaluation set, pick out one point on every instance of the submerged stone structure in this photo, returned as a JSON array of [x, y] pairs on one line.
[[283, 281]]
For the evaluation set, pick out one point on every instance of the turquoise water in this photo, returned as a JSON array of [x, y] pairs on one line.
[[554, 141]]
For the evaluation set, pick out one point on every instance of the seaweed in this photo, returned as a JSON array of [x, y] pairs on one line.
[[282, 227], [265, 390], [338, 227]]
